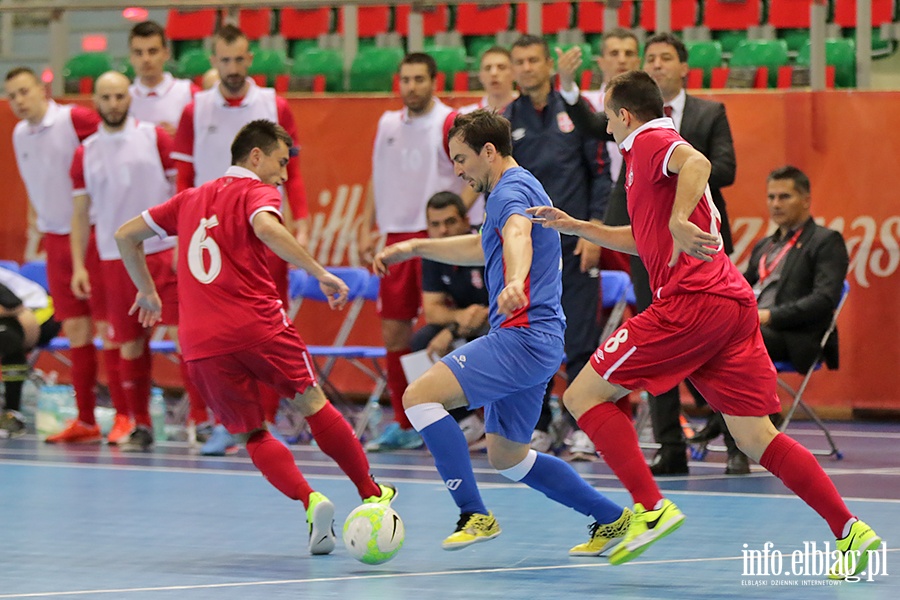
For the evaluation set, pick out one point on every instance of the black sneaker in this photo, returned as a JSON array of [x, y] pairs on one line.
[[140, 440], [12, 424]]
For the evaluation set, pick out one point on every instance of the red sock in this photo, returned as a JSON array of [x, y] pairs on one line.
[[799, 470], [276, 463], [136, 387], [198, 412], [337, 440], [114, 382], [624, 404], [396, 383], [615, 439], [84, 378]]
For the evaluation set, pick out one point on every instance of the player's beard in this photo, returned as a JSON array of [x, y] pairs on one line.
[[114, 122], [233, 84]]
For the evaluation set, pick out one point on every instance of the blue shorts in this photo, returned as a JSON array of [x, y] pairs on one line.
[[506, 372]]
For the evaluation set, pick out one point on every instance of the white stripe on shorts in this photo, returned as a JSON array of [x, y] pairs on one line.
[[619, 362]]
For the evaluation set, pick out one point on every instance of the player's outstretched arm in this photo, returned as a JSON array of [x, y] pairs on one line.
[[130, 240], [462, 250], [693, 177], [272, 233], [615, 238]]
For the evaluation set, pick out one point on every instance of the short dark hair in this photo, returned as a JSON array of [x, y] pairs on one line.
[[532, 40], [801, 181], [636, 92], [619, 33], [16, 71], [444, 199], [420, 58], [229, 34], [481, 127], [262, 134], [147, 29], [495, 50], [672, 40]]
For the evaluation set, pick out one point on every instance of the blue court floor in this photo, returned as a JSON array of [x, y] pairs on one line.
[[89, 522]]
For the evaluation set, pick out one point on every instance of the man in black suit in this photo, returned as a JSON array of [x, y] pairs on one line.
[[704, 125], [798, 275]]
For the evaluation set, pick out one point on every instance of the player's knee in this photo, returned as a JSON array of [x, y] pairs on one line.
[[413, 395]]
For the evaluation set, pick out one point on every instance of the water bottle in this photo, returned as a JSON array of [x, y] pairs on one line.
[[55, 406], [370, 418], [158, 414]]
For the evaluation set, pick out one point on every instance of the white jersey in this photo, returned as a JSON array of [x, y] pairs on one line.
[[44, 155], [216, 123], [595, 99], [160, 104], [123, 174], [32, 295], [409, 165]]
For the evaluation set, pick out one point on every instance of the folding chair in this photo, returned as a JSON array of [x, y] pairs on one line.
[[362, 286], [797, 396]]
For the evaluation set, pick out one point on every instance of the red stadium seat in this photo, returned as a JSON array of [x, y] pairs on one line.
[[305, 24], [719, 78], [190, 25], [789, 14], [555, 17], [255, 23], [473, 19], [683, 15], [590, 16], [695, 79], [372, 20], [435, 19], [786, 75], [723, 15], [845, 12]]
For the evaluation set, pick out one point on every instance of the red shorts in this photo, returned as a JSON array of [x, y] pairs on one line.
[[233, 384], [121, 292], [400, 294], [59, 279], [713, 341]]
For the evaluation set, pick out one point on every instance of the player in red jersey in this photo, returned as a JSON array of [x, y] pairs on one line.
[[244, 339], [702, 325]]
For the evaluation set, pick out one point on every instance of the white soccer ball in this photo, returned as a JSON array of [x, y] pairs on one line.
[[373, 533]]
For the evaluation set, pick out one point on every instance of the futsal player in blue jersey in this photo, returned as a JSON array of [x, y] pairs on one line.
[[507, 370]]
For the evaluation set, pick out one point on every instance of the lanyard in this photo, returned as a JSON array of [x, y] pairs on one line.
[[765, 271]]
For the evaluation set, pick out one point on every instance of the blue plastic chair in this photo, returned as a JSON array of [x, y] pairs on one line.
[[617, 292], [10, 265], [36, 271]]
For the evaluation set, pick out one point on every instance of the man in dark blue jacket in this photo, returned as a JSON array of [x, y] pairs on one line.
[[574, 169]]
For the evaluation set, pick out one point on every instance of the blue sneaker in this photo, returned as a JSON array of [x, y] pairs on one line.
[[219, 443], [394, 438]]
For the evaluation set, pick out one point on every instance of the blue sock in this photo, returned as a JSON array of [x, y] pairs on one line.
[[448, 445], [557, 480]]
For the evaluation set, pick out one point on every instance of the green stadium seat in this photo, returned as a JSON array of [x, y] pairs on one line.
[[268, 64], [81, 70], [761, 53], [124, 66], [374, 68], [795, 38], [730, 39], [450, 59], [319, 61], [193, 63], [704, 55], [839, 53], [478, 44]]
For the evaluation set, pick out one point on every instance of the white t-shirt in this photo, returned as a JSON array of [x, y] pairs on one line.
[[163, 103], [124, 174], [44, 155], [409, 165], [32, 295], [216, 123]]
